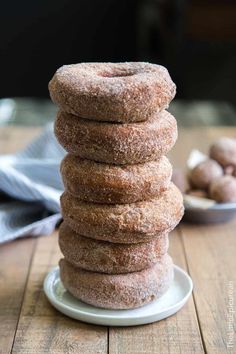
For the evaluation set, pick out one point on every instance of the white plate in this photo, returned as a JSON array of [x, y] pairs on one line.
[[167, 305]]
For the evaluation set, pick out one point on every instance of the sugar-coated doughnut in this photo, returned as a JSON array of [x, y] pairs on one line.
[[204, 173], [115, 143], [120, 291], [108, 257], [119, 92], [223, 189], [224, 151], [112, 184], [124, 223]]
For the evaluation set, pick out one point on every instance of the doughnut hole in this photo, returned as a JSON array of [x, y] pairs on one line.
[[204, 173], [223, 189], [224, 151], [229, 170]]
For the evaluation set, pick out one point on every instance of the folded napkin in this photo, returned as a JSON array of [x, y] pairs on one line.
[[30, 188]]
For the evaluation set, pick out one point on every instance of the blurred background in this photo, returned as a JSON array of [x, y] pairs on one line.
[[195, 40]]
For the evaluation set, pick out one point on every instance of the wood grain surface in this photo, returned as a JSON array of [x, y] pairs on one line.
[[206, 324]]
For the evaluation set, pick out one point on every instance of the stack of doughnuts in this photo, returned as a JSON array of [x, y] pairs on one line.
[[119, 202]]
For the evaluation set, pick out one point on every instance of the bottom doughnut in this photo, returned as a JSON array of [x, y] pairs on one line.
[[121, 291]]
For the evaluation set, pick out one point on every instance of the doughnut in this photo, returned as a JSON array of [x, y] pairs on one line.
[[121, 92], [115, 143], [224, 151], [124, 223], [180, 180], [120, 291], [223, 189], [108, 257], [112, 184], [204, 173]]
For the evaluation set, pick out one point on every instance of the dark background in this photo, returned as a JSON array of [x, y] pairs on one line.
[[196, 40]]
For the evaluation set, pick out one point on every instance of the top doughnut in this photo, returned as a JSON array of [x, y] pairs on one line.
[[115, 92]]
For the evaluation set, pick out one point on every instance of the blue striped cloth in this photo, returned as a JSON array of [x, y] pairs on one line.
[[30, 189]]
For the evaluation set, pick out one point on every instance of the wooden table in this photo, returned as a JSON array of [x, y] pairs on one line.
[[28, 324]]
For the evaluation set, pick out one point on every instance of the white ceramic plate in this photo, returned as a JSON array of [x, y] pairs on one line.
[[167, 305]]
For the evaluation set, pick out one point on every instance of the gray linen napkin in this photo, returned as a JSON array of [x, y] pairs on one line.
[[30, 186]]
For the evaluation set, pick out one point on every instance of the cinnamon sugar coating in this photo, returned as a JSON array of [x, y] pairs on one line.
[[124, 223], [112, 184], [108, 257], [120, 291], [120, 92], [115, 143]]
